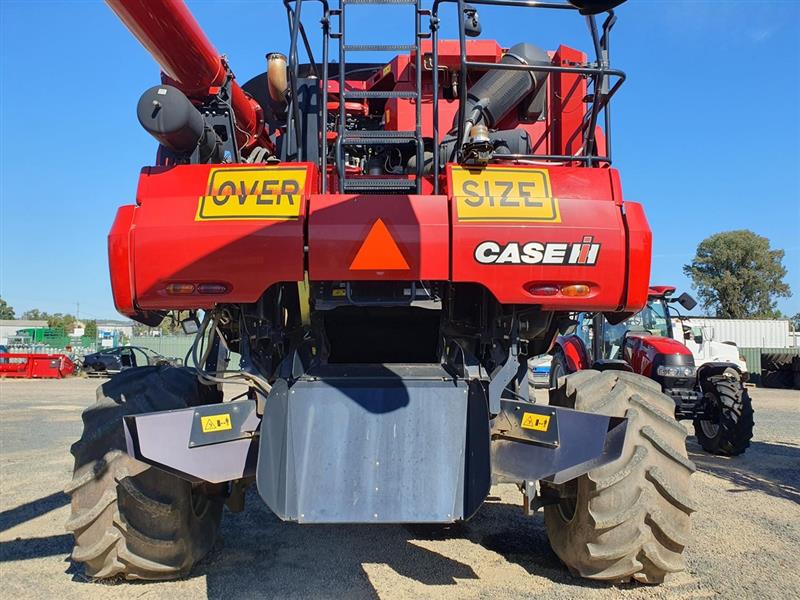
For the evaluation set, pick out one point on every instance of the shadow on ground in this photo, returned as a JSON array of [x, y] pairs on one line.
[[260, 556], [767, 467]]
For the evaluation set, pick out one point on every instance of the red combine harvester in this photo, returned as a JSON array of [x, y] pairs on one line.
[[383, 245], [711, 394]]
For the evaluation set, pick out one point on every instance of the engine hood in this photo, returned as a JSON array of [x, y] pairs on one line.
[[660, 345]]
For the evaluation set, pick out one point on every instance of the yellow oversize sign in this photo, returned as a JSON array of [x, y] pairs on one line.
[[214, 423], [503, 194], [244, 193], [535, 422]]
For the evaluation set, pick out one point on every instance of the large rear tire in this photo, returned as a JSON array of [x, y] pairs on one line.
[[630, 519], [131, 520], [730, 429]]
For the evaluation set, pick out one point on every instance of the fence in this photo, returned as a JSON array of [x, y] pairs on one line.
[[174, 346]]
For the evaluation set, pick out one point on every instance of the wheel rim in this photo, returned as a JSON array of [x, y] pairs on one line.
[[710, 427]]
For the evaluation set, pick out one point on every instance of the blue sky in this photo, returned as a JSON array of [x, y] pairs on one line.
[[706, 129]]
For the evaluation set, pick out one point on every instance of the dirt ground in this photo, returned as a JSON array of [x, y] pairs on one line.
[[747, 529]]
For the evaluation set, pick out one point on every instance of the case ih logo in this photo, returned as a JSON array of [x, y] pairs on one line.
[[584, 252]]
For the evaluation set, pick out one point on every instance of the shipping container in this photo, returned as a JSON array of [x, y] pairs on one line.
[[746, 333]]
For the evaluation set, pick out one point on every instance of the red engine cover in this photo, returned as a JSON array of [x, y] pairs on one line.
[[515, 227], [641, 351], [204, 234], [401, 238]]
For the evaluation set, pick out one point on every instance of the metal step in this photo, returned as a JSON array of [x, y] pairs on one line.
[[384, 184], [379, 137], [357, 94], [379, 47]]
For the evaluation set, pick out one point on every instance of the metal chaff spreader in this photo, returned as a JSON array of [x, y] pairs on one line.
[[383, 245]]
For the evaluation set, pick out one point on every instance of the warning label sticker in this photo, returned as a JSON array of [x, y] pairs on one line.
[[213, 423], [535, 422]]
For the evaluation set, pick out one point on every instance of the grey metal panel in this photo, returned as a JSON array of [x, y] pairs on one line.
[[585, 441], [162, 439], [364, 450]]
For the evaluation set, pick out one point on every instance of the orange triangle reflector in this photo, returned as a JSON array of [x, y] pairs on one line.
[[379, 252]]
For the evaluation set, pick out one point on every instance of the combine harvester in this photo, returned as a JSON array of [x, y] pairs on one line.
[[384, 245]]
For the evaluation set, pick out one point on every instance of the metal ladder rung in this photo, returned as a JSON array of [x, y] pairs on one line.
[[357, 94], [384, 183], [379, 137], [379, 47]]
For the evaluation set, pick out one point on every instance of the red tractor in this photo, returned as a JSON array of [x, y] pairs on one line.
[[712, 394], [371, 251]]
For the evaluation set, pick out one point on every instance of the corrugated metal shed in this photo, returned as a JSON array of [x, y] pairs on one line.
[[747, 333]]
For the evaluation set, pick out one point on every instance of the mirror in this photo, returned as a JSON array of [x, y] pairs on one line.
[[686, 301], [472, 26], [594, 7]]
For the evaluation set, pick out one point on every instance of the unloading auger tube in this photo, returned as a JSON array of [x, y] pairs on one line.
[[377, 314]]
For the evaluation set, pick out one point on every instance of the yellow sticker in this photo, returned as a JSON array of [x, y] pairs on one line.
[[503, 194], [213, 423], [386, 70], [339, 292], [253, 193], [535, 422]]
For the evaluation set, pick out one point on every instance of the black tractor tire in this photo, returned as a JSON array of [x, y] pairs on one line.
[[558, 368], [629, 519], [731, 428], [131, 520], [777, 379], [776, 361]]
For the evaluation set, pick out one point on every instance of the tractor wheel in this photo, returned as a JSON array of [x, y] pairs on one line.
[[558, 368], [729, 430], [630, 519], [129, 519]]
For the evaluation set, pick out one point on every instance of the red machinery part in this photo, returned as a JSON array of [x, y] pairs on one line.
[[36, 366], [640, 244], [641, 350], [173, 258], [588, 212], [165, 255], [170, 33], [574, 353], [414, 244]]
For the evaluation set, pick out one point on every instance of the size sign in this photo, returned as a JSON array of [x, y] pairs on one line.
[[503, 194]]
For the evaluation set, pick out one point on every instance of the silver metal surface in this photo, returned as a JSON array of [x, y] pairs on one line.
[[163, 439], [376, 448]]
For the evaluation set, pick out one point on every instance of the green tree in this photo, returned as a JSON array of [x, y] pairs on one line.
[[795, 320], [34, 314], [737, 275], [90, 330], [6, 310]]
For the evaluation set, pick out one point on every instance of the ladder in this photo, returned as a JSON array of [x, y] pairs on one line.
[[345, 138]]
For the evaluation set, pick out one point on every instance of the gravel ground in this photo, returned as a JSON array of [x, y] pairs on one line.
[[747, 529]]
